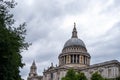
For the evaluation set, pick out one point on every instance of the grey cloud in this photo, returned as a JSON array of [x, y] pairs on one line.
[[76, 7], [112, 8], [41, 17], [107, 46], [117, 3], [48, 10], [44, 19]]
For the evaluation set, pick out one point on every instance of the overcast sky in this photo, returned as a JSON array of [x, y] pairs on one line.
[[50, 24]]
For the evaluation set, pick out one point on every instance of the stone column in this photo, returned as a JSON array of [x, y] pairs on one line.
[[73, 58], [79, 58], [69, 59], [84, 59], [64, 59], [76, 58]]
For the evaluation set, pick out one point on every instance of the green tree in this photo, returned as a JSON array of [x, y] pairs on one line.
[[81, 76], [118, 78], [70, 75], [96, 76], [12, 42]]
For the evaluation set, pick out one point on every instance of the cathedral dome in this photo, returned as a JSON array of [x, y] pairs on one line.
[[74, 52], [74, 42]]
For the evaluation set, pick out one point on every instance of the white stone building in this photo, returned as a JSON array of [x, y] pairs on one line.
[[74, 55]]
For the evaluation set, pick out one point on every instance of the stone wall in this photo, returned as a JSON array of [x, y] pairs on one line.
[[108, 69]]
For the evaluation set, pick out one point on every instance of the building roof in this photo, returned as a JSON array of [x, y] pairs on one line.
[[74, 42]]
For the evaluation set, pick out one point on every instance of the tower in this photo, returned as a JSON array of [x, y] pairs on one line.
[[33, 71], [74, 52]]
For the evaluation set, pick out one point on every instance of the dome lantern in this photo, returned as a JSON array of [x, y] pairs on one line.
[[74, 32]]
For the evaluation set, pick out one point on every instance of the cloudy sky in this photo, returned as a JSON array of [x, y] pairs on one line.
[[50, 23]]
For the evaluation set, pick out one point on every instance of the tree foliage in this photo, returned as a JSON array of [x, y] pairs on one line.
[[72, 75], [81, 76], [12, 42], [96, 76], [118, 78]]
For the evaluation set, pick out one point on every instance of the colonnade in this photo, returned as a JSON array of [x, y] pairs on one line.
[[75, 59]]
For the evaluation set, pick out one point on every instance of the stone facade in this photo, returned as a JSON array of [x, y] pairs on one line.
[[74, 55], [108, 69]]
